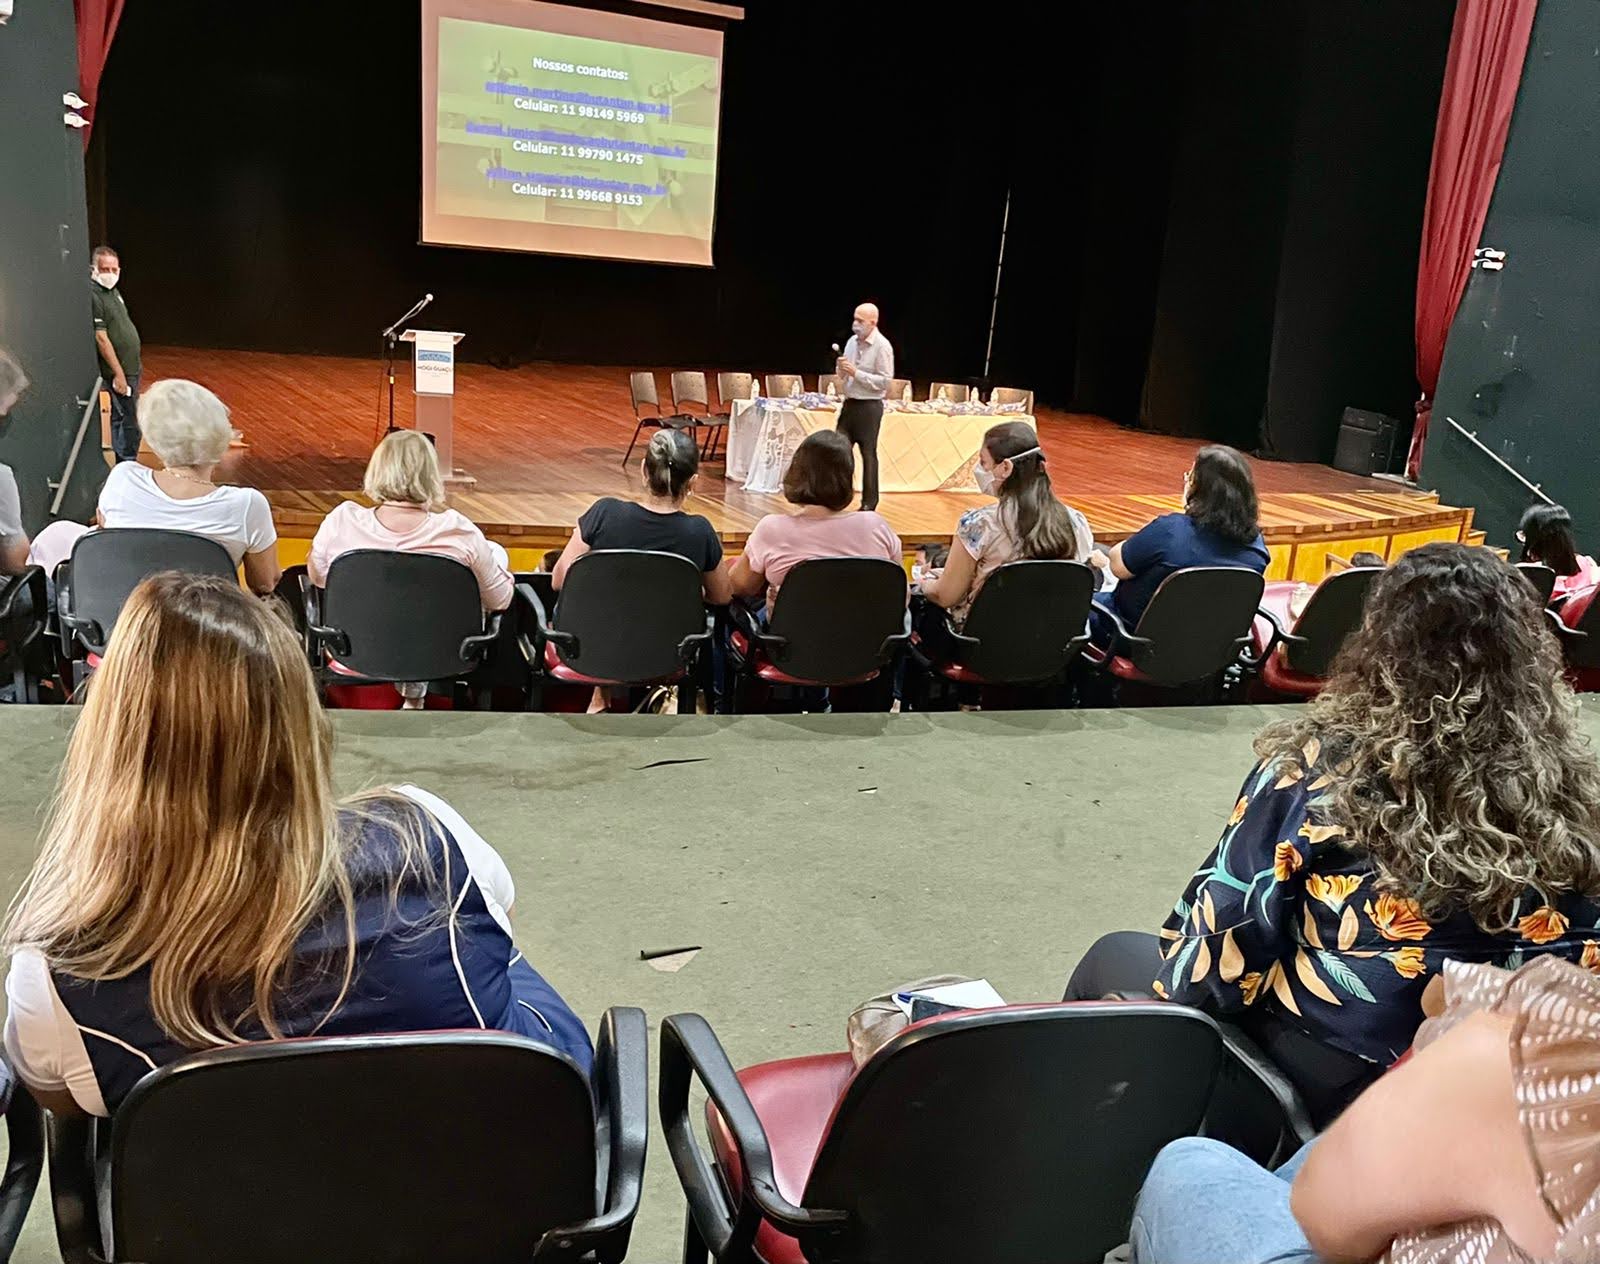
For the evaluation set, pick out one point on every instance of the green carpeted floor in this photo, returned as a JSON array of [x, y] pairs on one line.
[[817, 859]]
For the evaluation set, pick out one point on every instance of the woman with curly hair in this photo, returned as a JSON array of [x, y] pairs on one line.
[[1437, 801]]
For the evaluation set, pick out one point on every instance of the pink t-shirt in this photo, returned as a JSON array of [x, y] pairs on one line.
[[780, 542], [444, 534], [1588, 576]]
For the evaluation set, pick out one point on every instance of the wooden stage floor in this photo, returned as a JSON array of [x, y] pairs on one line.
[[545, 440]]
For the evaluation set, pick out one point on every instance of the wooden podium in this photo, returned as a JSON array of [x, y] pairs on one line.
[[434, 385]]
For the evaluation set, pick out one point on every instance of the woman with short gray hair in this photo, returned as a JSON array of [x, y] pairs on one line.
[[188, 429]]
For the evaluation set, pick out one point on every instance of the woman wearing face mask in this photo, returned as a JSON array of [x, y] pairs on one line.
[[1026, 522]]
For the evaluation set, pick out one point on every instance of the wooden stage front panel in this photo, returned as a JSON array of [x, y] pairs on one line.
[[546, 440]]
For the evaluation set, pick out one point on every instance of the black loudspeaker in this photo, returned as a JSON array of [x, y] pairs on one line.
[[1366, 442]]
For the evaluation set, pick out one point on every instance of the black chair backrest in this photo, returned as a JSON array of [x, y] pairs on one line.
[[732, 386], [1331, 615], [1541, 577], [955, 392], [631, 611], [1582, 614], [436, 1146], [781, 385], [404, 616], [24, 1157], [838, 615], [106, 566], [1198, 620], [1028, 620], [689, 387], [961, 1139], [642, 390]]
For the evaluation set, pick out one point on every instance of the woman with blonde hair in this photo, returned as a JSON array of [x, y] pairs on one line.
[[187, 427], [1438, 801], [408, 515], [199, 884]]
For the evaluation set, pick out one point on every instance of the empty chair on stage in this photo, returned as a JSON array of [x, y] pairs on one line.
[[949, 392], [782, 385], [1004, 395]]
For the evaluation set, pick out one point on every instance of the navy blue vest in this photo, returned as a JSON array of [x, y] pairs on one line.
[[409, 976]]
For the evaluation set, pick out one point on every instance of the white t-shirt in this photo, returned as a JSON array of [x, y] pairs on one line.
[[238, 518], [46, 1046]]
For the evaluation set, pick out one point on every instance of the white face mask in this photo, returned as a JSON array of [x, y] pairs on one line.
[[858, 327], [986, 478], [108, 279]]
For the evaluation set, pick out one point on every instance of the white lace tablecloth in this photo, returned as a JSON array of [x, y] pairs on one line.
[[920, 449]]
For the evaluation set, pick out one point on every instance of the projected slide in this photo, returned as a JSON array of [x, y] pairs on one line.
[[568, 131]]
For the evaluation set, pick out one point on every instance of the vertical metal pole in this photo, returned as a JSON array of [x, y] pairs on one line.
[[999, 267]]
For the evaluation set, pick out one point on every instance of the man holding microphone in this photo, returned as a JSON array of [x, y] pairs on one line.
[[867, 367]]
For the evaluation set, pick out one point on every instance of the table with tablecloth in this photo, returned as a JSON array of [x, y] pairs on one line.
[[921, 447]]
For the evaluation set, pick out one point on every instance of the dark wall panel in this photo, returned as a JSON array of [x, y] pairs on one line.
[[44, 263], [1520, 367]]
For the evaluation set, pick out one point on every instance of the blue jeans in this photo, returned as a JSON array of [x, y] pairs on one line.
[[1206, 1203], [125, 422]]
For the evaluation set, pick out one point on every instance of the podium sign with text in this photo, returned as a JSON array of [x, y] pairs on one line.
[[434, 385]]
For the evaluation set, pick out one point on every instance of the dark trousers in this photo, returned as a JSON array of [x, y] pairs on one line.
[[1327, 1079], [859, 421], [125, 422]]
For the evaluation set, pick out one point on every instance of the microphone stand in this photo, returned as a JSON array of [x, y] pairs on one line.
[[388, 355]]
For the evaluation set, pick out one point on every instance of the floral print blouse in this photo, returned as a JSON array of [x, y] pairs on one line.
[[1287, 913]]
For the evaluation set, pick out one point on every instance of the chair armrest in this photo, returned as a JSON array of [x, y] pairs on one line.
[[1287, 1124], [24, 1162], [690, 1048], [691, 645], [72, 1187], [28, 580], [622, 1132], [473, 647], [542, 630], [1280, 635], [896, 641], [1119, 630], [63, 582], [1562, 631], [744, 622]]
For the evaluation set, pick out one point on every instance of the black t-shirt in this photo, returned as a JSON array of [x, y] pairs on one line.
[[620, 524]]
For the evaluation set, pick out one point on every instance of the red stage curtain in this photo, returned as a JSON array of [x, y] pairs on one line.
[[97, 23], [1487, 47]]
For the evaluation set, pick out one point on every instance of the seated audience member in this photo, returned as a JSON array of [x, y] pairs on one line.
[[1437, 800], [671, 465], [931, 557], [1218, 527], [818, 481], [13, 537], [187, 428], [198, 884], [1546, 537], [1496, 1163], [409, 515], [1025, 522]]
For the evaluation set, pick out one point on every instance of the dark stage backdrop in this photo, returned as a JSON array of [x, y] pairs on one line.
[[1520, 368], [262, 183], [44, 264]]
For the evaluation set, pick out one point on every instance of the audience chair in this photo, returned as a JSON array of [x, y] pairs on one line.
[[24, 1157], [1577, 624], [1014, 395], [473, 1145], [838, 621], [731, 387], [24, 607], [782, 385], [1195, 628], [830, 379], [625, 617], [94, 583], [898, 388], [692, 403], [387, 618], [1006, 1135], [642, 391], [1026, 627], [1294, 656], [1541, 577], [956, 393]]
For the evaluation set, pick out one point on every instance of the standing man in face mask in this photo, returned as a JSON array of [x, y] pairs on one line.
[[867, 367], [117, 341]]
